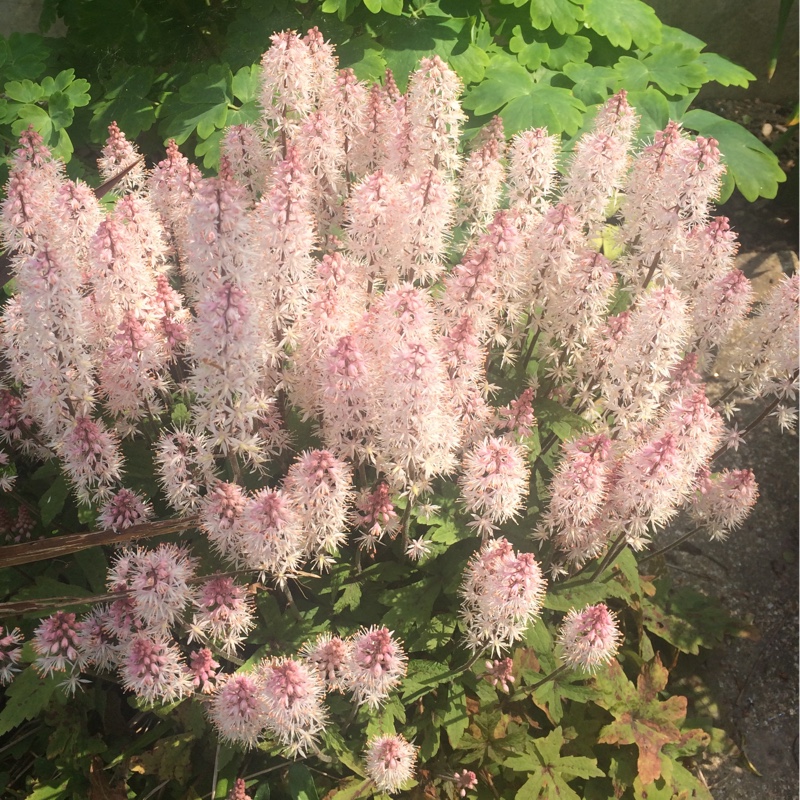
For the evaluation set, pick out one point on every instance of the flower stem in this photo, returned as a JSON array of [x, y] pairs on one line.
[[670, 546]]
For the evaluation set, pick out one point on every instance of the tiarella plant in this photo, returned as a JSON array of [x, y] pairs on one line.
[[335, 376]]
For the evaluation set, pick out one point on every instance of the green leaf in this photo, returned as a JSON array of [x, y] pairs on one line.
[[125, 102], [409, 606], [246, 84], [406, 41], [564, 597], [52, 501], [33, 115], [301, 783], [653, 111], [351, 598], [94, 566], [544, 106], [24, 91], [623, 22], [754, 166], [563, 422], [725, 72], [373, 5], [423, 677], [455, 719], [551, 771], [26, 55], [591, 83], [50, 792], [78, 92], [363, 55], [529, 54], [505, 80], [203, 105], [26, 697], [675, 68], [686, 618], [563, 15], [392, 7], [565, 49], [59, 107]]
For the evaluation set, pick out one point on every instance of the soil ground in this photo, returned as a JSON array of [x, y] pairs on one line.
[[750, 686]]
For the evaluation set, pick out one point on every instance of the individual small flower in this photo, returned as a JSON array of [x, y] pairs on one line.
[[203, 669], [417, 549], [56, 643], [589, 638], [500, 673], [374, 666], [390, 761], [151, 668], [10, 652], [238, 790], [465, 781], [293, 692], [238, 709], [224, 614], [328, 655], [124, 509]]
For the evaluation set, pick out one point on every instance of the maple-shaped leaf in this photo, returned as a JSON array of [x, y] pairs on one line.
[[549, 771], [640, 718]]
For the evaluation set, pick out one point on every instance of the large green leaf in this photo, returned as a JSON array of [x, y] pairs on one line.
[[674, 68], [23, 55], [725, 72], [125, 102], [530, 54], [26, 697], [591, 83], [406, 41], [549, 771], [563, 15], [202, 105], [623, 22], [754, 167], [505, 80]]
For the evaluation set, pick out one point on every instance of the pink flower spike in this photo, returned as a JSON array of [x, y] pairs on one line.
[[589, 638], [10, 652], [152, 669], [499, 673], [124, 509], [328, 655], [465, 781], [390, 762], [56, 642], [375, 665], [238, 709], [293, 692], [204, 669]]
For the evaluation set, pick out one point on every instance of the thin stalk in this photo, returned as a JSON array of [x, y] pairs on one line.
[[215, 773], [551, 677], [523, 365], [613, 551], [680, 540]]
